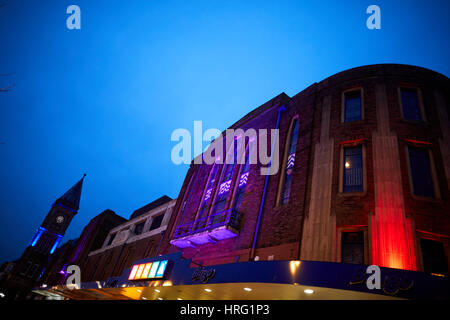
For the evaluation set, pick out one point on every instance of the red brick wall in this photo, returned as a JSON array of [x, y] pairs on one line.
[[281, 226]]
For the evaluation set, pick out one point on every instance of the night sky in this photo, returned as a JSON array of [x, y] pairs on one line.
[[105, 99]]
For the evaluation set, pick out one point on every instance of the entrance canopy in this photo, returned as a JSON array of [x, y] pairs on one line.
[[170, 277]]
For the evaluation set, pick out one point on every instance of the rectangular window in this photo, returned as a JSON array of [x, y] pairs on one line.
[[433, 255], [353, 247], [289, 164], [421, 178], [243, 179], [156, 222], [139, 228], [352, 106], [201, 219], [225, 186], [410, 104], [353, 170]]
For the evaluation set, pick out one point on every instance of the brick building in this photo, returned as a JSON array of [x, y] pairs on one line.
[[75, 252], [37, 257], [135, 239], [363, 179], [391, 209]]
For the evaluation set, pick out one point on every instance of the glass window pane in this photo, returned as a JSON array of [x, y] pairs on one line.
[[410, 104], [353, 247], [421, 171], [433, 254], [111, 239], [353, 170], [352, 106], [156, 223], [139, 228], [289, 165], [243, 179]]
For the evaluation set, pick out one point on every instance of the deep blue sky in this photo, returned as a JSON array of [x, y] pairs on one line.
[[105, 99]]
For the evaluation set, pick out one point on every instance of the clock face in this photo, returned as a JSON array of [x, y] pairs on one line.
[[59, 219]]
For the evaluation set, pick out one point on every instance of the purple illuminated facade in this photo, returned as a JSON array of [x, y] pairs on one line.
[[363, 178]]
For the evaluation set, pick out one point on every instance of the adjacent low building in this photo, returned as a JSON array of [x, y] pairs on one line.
[[135, 239]]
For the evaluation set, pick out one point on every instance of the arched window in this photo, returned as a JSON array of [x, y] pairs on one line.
[[288, 165]]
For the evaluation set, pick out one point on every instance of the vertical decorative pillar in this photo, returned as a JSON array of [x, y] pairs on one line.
[[391, 230], [318, 238]]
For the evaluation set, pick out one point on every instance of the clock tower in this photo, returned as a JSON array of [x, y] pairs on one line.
[[37, 256]]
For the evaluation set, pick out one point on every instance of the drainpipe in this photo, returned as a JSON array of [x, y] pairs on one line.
[[266, 183]]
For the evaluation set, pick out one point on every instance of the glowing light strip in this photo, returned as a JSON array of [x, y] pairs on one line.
[[208, 194], [153, 270], [418, 142], [291, 160], [243, 180], [37, 236], [133, 272], [139, 272], [225, 187], [161, 269], [146, 270], [56, 244], [352, 142]]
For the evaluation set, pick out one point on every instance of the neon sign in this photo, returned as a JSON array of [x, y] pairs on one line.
[[150, 270]]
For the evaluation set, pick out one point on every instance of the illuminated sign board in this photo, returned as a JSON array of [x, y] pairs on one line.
[[150, 270]]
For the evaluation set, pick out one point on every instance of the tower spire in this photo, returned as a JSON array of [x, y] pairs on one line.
[[73, 195]]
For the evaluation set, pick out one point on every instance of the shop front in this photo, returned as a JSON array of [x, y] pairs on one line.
[[171, 277]]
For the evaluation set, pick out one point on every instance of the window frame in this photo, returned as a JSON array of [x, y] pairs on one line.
[[361, 90], [138, 225], [153, 219], [343, 229], [205, 190], [282, 170], [433, 237], [111, 238], [419, 97], [434, 177], [234, 194], [225, 166], [359, 142], [234, 146]]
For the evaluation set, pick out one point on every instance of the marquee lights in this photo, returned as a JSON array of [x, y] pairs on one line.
[[151, 270]]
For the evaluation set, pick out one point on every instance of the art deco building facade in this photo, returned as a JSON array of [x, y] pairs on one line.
[[363, 179]]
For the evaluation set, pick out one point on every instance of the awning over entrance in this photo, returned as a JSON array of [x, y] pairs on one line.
[[221, 291]]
